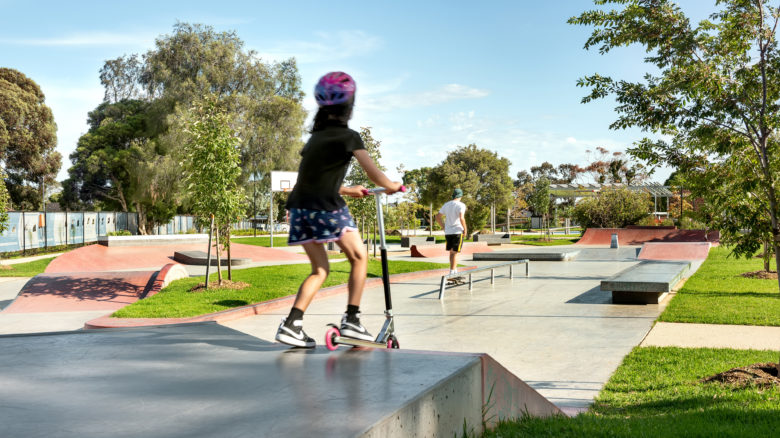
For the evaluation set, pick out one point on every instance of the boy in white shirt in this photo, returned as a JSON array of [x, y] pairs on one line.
[[454, 226]]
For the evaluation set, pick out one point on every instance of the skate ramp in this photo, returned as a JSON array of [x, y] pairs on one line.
[[104, 258], [208, 380], [440, 251], [674, 251], [82, 291], [638, 236]]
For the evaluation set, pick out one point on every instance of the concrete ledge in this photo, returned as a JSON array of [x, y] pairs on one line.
[[408, 241], [171, 239], [531, 256], [199, 258], [646, 283], [492, 239]]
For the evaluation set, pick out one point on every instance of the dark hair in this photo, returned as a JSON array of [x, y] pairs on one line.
[[333, 115]]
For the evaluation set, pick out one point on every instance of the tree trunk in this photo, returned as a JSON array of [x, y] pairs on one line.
[[219, 265], [230, 271], [141, 219]]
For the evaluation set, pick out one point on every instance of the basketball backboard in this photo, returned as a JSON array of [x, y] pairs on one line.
[[283, 181]]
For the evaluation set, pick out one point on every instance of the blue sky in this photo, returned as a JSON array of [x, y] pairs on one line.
[[431, 75]]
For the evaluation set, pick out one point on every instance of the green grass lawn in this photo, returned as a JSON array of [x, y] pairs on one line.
[[268, 282], [656, 393], [261, 241], [27, 269], [717, 294]]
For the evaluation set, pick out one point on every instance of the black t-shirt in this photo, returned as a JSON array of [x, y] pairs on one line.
[[324, 165]]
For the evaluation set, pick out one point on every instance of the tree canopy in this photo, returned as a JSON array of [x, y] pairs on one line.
[[130, 158], [28, 138], [713, 92]]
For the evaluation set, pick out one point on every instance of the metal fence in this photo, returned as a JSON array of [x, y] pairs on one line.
[[36, 230]]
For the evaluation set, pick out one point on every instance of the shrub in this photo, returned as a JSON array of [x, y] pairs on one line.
[[611, 208], [688, 223], [119, 233]]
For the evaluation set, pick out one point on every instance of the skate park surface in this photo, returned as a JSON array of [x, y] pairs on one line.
[[555, 330]]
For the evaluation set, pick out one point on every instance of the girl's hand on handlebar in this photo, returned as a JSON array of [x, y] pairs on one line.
[[357, 191], [395, 186]]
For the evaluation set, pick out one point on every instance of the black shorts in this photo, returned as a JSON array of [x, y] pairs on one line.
[[454, 242]]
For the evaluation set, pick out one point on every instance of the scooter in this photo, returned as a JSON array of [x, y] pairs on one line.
[[386, 337]]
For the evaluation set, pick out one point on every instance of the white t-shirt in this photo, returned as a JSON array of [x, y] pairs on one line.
[[452, 211]]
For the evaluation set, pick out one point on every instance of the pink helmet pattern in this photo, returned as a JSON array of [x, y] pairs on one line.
[[334, 88]]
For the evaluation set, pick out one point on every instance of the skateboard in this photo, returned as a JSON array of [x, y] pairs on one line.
[[456, 281]]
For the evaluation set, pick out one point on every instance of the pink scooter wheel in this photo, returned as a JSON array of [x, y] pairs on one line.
[[393, 342], [330, 335]]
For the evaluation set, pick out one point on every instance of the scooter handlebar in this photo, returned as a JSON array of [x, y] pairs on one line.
[[380, 190]]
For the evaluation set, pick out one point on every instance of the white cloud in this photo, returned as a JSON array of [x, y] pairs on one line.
[[325, 47], [144, 39], [444, 94]]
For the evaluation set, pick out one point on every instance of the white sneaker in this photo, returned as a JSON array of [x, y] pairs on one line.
[[294, 335], [354, 329]]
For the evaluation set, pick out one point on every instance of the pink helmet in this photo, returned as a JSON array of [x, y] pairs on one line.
[[334, 88]]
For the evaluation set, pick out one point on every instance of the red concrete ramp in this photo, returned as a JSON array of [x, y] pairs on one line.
[[440, 251], [674, 251], [639, 236], [104, 258], [81, 291]]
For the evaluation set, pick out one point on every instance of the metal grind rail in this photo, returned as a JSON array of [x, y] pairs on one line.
[[492, 269]]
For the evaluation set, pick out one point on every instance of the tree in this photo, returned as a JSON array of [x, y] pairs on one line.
[[539, 198], [4, 204], [483, 176], [28, 137], [211, 169], [364, 209], [714, 94], [613, 207]]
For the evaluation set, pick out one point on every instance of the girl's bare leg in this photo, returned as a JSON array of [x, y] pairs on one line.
[[320, 268], [353, 248]]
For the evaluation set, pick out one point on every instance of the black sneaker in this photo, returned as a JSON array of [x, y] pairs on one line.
[[294, 335], [352, 328]]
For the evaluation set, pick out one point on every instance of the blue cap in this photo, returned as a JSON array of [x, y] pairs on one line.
[[457, 193]]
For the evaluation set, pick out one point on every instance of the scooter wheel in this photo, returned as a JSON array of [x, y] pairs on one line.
[[330, 337], [393, 342]]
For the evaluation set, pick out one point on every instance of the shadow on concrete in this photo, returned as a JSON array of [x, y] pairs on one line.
[[593, 296]]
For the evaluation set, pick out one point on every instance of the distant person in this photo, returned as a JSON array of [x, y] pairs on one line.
[[454, 225], [318, 214]]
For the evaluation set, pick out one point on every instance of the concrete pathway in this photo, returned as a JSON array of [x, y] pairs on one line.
[[740, 337]]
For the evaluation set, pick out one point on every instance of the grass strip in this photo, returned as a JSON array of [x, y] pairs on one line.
[[26, 269], [718, 294], [266, 283], [656, 393]]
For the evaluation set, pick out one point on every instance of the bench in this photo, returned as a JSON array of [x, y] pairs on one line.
[[492, 239], [492, 269], [408, 241], [645, 283], [539, 256]]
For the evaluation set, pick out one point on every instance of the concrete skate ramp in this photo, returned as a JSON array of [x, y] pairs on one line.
[[82, 291], [104, 258], [208, 380], [638, 236], [440, 251], [674, 251]]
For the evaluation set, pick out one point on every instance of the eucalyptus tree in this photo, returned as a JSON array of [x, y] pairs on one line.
[[28, 138], [712, 91]]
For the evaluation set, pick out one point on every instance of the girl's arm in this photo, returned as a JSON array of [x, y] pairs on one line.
[[374, 174], [353, 191]]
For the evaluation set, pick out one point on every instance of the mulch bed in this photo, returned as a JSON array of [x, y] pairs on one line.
[[763, 375], [5, 267], [763, 275], [214, 285]]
